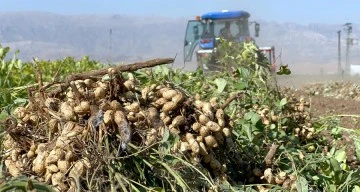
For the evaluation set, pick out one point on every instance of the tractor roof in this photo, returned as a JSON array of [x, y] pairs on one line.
[[225, 15]]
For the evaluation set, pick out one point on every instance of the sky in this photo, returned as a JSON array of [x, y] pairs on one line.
[[281, 11]]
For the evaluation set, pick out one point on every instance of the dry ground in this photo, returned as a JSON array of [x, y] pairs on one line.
[[321, 105]]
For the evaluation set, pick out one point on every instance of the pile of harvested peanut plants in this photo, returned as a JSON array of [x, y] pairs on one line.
[[58, 136], [294, 120]]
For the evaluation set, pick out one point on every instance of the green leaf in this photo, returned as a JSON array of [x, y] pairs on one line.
[[255, 118], [282, 134], [283, 102], [248, 130], [177, 79], [240, 85], [158, 189], [357, 148], [315, 178], [162, 70], [248, 115], [335, 165], [340, 155], [3, 116], [302, 185], [174, 138], [339, 177], [287, 72], [19, 64], [332, 151], [165, 136], [221, 84], [335, 131], [243, 72], [284, 70], [3, 64], [252, 116], [20, 101]]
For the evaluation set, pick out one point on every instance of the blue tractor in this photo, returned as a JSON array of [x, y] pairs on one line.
[[203, 34]]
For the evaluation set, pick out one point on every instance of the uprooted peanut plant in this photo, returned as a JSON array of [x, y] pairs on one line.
[[143, 127]]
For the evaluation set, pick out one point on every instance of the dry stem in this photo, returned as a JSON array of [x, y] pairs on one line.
[[232, 98], [101, 72], [270, 155]]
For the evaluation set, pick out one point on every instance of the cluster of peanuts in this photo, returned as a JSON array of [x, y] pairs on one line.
[[69, 118], [287, 181]]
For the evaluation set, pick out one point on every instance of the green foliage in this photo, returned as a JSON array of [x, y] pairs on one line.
[[25, 184], [247, 76], [284, 70], [249, 73], [17, 76]]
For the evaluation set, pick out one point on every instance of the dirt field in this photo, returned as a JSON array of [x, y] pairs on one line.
[[325, 105], [297, 81]]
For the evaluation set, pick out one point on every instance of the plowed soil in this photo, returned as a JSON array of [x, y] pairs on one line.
[[322, 106]]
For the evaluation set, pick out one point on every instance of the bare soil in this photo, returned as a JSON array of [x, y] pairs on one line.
[[322, 105]]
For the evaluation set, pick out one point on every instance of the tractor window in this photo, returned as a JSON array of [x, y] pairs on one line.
[[243, 27], [207, 29], [192, 35], [211, 28], [220, 24]]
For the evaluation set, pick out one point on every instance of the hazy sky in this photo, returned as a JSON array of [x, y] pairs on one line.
[[302, 11]]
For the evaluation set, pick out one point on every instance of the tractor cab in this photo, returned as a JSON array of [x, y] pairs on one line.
[[202, 34]]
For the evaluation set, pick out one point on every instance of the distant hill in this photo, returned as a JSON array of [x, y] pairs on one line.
[[53, 36]]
